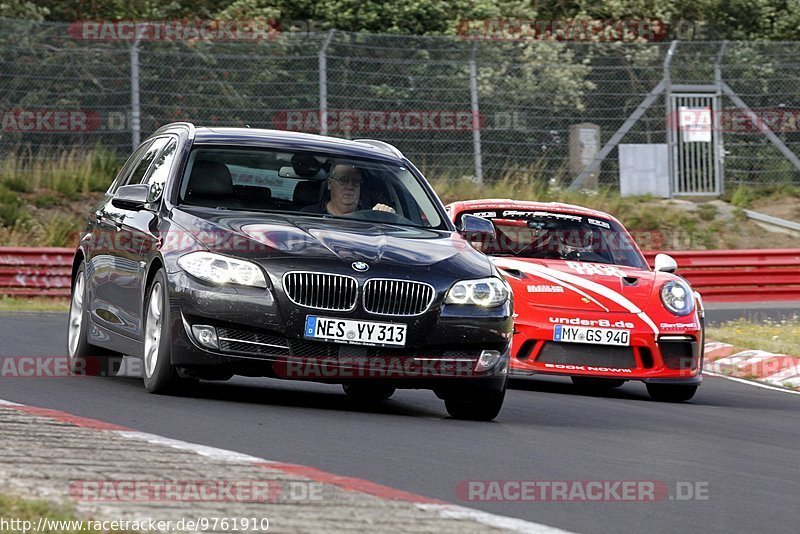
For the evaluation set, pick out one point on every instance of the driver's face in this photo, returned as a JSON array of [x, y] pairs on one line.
[[344, 184]]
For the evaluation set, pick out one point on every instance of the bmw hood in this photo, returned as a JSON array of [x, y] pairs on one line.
[[266, 237]]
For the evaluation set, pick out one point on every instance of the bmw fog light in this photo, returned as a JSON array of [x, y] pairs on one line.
[[206, 336], [488, 359]]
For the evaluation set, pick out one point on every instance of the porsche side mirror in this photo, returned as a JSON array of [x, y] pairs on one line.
[[665, 263]]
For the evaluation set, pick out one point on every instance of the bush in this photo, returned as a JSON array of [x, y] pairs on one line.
[[707, 212], [59, 231], [19, 183], [12, 209], [47, 200], [742, 197]]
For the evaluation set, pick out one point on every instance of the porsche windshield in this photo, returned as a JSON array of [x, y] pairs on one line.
[[556, 235], [307, 183]]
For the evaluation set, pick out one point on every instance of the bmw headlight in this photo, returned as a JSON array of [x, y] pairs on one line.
[[677, 297], [485, 292], [218, 269]]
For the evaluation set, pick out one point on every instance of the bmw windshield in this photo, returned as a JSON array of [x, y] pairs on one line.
[[306, 183]]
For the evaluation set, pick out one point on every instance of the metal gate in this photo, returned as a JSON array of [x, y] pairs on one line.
[[695, 144]]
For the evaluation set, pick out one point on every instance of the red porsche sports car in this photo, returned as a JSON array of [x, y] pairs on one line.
[[587, 305]]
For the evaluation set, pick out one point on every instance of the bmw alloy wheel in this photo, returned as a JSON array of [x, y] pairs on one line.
[[152, 338], [76, 316]]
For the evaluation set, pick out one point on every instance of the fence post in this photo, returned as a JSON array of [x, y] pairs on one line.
[[476, 117], [637, 114], [672, 122], [719, 138], [136, 116], [323, 84]]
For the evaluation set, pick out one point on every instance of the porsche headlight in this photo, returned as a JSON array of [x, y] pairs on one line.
[[485, 292], [217, 269], [677, 297]]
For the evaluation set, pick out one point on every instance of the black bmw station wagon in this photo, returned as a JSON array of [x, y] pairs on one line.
[[237, 251]]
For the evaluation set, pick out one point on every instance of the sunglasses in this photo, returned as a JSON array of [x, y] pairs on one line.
[[348, 180]]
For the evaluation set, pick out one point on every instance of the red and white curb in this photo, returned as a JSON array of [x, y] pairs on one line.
[[764, 367], [440, 508]]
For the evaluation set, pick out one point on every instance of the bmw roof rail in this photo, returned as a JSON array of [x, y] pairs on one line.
[[179, 124], [383, 145]]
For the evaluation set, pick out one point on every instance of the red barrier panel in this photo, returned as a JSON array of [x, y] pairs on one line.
[[35, 272], [740, 275], [719, 275]]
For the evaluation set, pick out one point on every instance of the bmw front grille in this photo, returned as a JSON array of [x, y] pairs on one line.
[[321, 290], [397, 297]]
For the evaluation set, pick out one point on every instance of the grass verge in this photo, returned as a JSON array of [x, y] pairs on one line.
[[28, 510], [782, 337], [13, 304]]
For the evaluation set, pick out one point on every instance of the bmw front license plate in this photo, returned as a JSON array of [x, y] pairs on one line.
[[355, 332], [596, 336]]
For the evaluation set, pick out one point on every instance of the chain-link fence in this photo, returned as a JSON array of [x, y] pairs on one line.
[[457, 107]]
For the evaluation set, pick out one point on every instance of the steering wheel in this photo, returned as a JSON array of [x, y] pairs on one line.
[[381, 216], [584, 256]]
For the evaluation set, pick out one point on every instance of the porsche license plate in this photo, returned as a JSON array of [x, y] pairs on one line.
[[595, 336], [355, 332]]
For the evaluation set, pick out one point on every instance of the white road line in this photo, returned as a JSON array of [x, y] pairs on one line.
[[204, 450], [751, 382], [451, 511]]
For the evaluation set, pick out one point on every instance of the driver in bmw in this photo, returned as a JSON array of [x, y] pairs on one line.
[[344, 184]]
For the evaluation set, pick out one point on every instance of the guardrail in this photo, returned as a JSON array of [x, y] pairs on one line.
[[740, 275], [719, 275], [35, 272]]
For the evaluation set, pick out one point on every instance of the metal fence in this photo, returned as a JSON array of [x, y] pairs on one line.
[[476, 108]]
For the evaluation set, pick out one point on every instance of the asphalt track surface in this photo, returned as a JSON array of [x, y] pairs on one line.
[[738, 441]]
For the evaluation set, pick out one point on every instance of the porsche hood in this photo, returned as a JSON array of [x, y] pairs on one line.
[[582, 286]]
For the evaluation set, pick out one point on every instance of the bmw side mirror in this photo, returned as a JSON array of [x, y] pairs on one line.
[[665, 263], [131, 197], [473, 226]]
